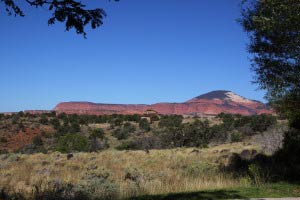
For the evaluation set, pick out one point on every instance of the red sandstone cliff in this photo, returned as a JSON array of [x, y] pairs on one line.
[[211, 103]]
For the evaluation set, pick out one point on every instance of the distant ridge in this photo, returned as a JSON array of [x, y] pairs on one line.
[[211, 103]]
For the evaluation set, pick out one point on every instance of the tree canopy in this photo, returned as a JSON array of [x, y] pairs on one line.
[[274, 30], [72, 12]]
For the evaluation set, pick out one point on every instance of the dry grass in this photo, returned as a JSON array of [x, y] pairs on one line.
[[159, 172]]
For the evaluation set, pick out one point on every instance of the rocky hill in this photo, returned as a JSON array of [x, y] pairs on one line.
[[211, 103]]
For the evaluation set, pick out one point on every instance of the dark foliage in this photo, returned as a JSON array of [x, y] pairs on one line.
[[124, 131], [73, 13], [44, 120], [274, 29], [144, 125], [237, 127], [170, 121], [37, 141], [97, 133], [72, 143], [55, 123]]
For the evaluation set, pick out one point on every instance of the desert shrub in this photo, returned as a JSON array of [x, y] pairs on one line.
[[127, 145], [219, 133], [62, 116], [58, 190], [31, 149], [141, 143], [120, 134], [244, 125], [196, 134], [75, 127], [73, 118], [53, 190], [172, 137], [21, 114], [129, 127], [260, 123], [144, 125], [123, 132], [3, 140], [98, 144], [21, 127], [228, 120], [154, 118], [132, 118], [37, 141], [255, 173], [169, 121], [55, 123], [116, 121], [236, 136], [241, 121], [14, 118], [44, 120], [72, 142], [97, 185], [3, 151], [62, 130], [134, 176], [148, 142], [97, 133], [198, 169]]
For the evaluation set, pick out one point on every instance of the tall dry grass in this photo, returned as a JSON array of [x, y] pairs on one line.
[[134, 172]]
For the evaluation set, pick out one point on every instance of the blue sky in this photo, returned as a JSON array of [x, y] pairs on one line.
[[146, 52]]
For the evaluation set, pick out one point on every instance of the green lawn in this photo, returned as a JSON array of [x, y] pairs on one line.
[[269, 190]]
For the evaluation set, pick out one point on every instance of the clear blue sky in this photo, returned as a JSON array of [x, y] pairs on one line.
[[147, 51]]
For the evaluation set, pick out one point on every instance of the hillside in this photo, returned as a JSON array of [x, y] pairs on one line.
[[211, 103]]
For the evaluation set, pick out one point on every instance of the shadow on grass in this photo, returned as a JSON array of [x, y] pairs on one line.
[[209, 195]]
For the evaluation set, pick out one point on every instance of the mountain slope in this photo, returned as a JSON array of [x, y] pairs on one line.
[[211, 103]]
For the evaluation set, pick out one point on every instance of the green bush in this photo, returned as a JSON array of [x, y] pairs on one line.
[[55, 123], [255, 173], [44, 120], [37, 141], [127, 145], [123, 132], [198, 169], [144, 125], [97, 133], [72, 142], [170, 121], [236, 137], [75, 127], [260, 123], [97, 185], [129, 127], [154, 118], [3, 140]]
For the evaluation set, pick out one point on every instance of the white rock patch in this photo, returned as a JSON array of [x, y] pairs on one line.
[[236, 98]]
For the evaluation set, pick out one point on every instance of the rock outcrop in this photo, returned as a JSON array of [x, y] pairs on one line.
[[211, 103]]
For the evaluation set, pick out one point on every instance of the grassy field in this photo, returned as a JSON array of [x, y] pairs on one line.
[[124, 173], [266, 191], [185, 173], [38, 171]]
